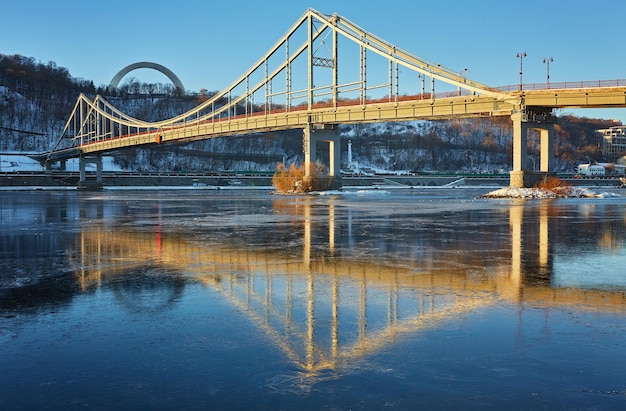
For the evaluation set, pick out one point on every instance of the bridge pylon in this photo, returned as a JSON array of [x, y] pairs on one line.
[[524, 121]]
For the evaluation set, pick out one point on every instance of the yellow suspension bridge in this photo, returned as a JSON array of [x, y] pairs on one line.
[[302, 83]]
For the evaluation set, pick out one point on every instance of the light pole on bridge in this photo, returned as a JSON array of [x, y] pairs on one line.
[[520, 56], [468, 154], [547, 61], [464, 73]]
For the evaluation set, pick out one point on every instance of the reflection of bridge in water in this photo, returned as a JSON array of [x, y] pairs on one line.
[[324, 310]]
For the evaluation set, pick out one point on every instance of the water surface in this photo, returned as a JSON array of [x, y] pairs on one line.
[[233, 299]]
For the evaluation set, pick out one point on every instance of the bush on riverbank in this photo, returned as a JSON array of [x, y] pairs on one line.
[[555, 185], [292, 180]]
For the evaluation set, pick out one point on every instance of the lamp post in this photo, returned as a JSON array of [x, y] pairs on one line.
[[464, 73], [520, 56], [547, 61], [468, 154]]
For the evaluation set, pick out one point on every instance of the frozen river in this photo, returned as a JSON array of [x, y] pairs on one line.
[[233, 299]]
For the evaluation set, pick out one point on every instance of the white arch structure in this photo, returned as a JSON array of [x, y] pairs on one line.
[[149, 65]]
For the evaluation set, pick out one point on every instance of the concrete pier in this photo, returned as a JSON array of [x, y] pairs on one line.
[[311, 136], [523, 122]]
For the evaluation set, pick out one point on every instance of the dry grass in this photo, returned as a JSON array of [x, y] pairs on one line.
[[555, 185], [291, 180], [288, 180]]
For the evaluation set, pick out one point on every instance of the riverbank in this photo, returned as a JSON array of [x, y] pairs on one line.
[[70, 180]]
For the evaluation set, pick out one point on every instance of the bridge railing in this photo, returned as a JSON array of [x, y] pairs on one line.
[[564, 85]]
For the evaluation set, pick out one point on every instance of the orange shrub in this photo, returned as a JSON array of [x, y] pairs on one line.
[[292, 180], [555, 185]]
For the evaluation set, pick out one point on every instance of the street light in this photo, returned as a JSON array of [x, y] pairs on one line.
[[547, 62], [464, 73], [468, 153], [520, 56]]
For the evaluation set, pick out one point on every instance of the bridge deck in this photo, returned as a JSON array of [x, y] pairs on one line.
[[406, 108]]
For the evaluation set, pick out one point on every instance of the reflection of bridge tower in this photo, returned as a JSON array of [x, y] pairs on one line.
[[524, 121], [530, 247], [531, 269]]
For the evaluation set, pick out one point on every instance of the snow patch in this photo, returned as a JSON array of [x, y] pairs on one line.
[[559, 192]]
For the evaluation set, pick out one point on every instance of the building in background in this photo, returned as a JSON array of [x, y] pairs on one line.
[[613, 142]]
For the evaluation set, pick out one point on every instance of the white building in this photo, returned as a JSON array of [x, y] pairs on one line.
[[591, 170], [613, 141]]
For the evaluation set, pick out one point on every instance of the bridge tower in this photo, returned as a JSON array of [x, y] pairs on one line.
[[524, 121]]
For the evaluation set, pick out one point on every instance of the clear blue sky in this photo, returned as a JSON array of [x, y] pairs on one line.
[[209, 44]]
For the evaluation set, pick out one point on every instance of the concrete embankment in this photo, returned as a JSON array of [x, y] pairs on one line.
[[435, 180], [115, 179], [70, 180]]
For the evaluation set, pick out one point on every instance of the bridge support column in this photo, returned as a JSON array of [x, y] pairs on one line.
[[83, 183], [311, 137], [547, 148], [523, 121]]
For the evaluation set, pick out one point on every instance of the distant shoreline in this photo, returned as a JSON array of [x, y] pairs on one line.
[[70, 180]]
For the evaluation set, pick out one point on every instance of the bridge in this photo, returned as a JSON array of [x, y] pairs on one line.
[[327, 71]]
